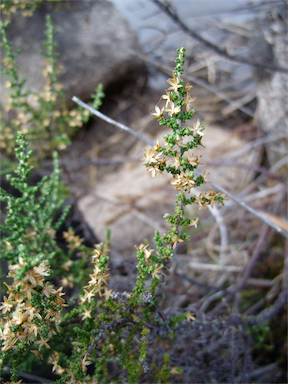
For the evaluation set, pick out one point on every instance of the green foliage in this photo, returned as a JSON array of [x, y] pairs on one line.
[[27, 7], [43, 116], [261, 335], [99, 332], [29, 226]]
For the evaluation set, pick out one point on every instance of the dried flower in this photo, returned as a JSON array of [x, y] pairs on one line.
[[158, 113], [174, 82]]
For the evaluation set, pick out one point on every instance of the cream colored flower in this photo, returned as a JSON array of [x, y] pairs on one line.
[[157, 146], [158, 113], [188, 87], [148, 253], [59, 299], [42, 269], [174, 84], [176, 162], [190, 316], [199, 200], [154, 170], [156, 274], [8, 84], [31, 328], [194, 222], [6, 304], [67, 281], [84, 363], [28, 289], [151, 156], [107, 293], [42, 343], [48, 289], [204, 177], [31, 312], [193, 160], [182, 182], [197, 130], [188, 101], [67, 265], [174, 371], [18, 317], [176, 240], [173, 110], [86, 314], [167, 97], [102, 278], [87, 296]]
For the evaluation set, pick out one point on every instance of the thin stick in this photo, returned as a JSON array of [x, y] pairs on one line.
[[222, 228], [249, 209], [254, 258], [111, 121], [225, 163], [232, 197], [214, 267]]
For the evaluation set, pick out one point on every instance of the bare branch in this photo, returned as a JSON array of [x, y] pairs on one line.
[[111, 121], [224, 163]]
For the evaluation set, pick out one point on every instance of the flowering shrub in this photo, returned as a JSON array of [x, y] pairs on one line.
[[84, 337], [43, 116]]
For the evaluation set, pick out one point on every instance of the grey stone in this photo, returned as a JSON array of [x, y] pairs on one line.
[[272, 87], [93, 39]]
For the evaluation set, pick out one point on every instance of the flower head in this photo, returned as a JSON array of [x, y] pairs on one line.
[[174, 82], [84, 363], [188, 101], [173, 109], [158, 113]]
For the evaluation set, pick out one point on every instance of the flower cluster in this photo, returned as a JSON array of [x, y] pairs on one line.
[[8, 8], [98, 279], [74, 241], [102, 331], [42, 116], [33, 307], [176, 156]]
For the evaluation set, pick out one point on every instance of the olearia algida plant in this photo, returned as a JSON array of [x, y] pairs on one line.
[[97, 335], [43, 117]]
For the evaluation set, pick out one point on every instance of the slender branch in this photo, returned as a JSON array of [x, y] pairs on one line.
[[190, 280], [223, 190], [111, 121], [224, 163], [161, 312], [167, 9], [250, 209], [255, 255]]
